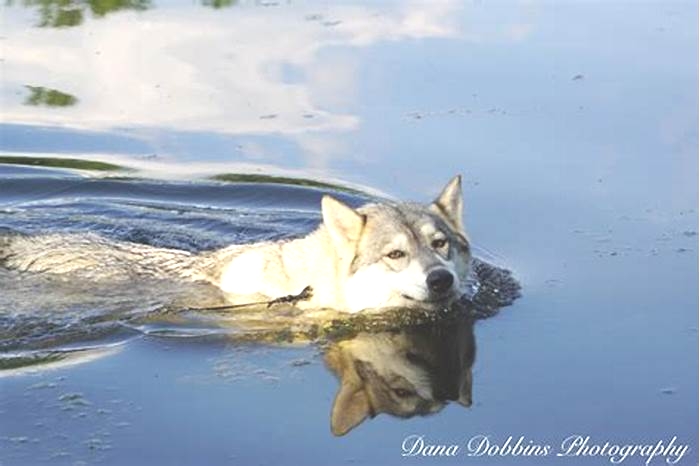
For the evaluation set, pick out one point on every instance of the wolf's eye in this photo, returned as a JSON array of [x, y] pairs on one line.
[[396, 254], [439, 243], [402, 393]]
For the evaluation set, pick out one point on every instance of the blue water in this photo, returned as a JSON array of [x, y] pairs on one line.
[[573, 123]]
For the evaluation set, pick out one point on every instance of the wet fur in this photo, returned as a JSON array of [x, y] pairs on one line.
[[343, 260]]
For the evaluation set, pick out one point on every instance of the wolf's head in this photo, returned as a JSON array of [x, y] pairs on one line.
[[400, 254], [412, 372]]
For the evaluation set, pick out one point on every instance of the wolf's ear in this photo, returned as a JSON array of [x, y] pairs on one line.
[[465, 391], [448, 204], [343, 222], [350, 408]]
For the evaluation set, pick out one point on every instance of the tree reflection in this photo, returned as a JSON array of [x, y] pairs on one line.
[[49, 97], [67, 13], [216, 4]]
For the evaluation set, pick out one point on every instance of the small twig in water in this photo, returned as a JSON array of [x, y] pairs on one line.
[[292, 299]]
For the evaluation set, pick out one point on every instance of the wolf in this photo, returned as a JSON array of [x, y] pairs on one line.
[[380, 255], [411, 372]]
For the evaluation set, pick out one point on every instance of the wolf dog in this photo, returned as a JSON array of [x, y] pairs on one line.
[[377, 256], [411, 372]]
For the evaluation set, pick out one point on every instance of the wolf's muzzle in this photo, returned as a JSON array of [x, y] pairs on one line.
[[440, 281]]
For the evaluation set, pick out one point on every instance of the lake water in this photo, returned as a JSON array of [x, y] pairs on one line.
[[190, 124]]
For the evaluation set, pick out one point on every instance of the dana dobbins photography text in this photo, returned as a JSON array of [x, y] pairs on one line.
[[659, 452]]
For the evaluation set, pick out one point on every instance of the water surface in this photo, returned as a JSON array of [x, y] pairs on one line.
[[573, 123]]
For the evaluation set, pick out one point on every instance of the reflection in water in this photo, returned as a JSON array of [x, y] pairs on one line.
[[413, 371], [49, 97], [195, 70], [67, 13], [219, 3], [69, 163]]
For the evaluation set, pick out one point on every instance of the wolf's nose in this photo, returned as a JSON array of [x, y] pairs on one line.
[[440, 281]]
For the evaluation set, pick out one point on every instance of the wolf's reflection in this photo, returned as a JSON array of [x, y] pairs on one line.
[[405, 373]]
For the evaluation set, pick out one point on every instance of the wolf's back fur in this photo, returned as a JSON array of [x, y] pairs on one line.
[[92, 256]]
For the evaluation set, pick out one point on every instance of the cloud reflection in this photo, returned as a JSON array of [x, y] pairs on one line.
[[241, 70]]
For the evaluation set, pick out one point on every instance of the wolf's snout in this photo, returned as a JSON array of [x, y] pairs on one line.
[[440, 281]]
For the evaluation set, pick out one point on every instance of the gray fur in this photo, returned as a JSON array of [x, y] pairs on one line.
[[344, 260]]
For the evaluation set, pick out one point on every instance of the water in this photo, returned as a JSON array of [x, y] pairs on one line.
[[573, 123]]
